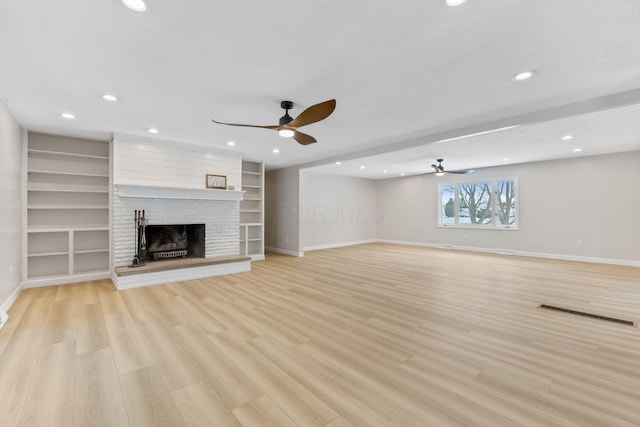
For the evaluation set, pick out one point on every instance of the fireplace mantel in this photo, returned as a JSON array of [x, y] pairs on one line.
[[152, 192]]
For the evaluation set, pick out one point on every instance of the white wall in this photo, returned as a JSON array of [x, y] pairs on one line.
[[337, 210], [282, 201], [11, 207], [141, 161], [593, 200]]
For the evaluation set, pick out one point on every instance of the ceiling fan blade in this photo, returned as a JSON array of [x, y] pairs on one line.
[[303, 138], [437, 169], [313, 114], [461, 172], [276, 127]]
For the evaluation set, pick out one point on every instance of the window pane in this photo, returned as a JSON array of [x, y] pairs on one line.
[[447, 212], [506, 203], [475, 203]]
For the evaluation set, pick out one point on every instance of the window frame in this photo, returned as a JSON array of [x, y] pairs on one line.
[[494, 204]]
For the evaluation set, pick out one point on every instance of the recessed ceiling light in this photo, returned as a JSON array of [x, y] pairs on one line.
[[276, 151], [361, 167], [385, 171], [454, 3], [231, 144], [137, 5], [338, 163], [153, 130], [402, 174], [68, 115], [506, 159], [109, 97], [567, 137], [525, 75], [577, 150]]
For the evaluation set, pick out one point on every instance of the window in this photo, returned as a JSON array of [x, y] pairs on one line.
[[489, 204]]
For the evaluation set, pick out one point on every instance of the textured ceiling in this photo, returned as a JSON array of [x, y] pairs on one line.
[[401, 71]]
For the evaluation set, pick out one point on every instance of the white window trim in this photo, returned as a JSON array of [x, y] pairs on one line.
[[492, 225]]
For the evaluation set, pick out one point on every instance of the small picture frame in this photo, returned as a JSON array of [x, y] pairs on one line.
[[218, 182]]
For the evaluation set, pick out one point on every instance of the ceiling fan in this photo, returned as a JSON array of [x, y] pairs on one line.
[[288, 126], [440, 169]]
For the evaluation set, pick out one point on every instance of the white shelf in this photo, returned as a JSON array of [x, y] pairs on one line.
[[49, 172], [250, 173], [91, 251], [251, 186], [63, 154], [68, 207], [251, 224], [61, 188], [250, 210], [67, 228], [48, 254]]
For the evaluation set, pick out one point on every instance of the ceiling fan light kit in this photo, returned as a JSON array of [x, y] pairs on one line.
[[288, 126]]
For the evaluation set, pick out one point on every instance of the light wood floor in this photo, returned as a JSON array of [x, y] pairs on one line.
[[371, 335]]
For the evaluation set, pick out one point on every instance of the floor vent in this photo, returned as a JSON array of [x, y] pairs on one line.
[[582, 313]]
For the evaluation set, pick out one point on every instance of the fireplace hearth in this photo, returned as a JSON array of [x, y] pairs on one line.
[[175, 241]]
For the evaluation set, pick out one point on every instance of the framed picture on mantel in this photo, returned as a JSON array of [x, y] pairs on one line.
[[218, 182]]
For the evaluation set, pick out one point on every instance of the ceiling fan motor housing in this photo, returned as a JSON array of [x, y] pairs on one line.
[[287, 105]]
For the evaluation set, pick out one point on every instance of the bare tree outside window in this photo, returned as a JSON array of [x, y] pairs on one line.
[[506, 195], [475, 203], [447, 213]]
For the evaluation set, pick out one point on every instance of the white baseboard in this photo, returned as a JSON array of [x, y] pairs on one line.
[[64, 279], [7, 305], [338, 245], [284, 251], [421, 244], [3, 318], [596, 260]]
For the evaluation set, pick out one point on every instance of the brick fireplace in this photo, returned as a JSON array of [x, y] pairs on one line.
[[216, 210]]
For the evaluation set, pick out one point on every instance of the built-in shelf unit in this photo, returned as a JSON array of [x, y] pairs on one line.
[[252, 210], [67, 210]]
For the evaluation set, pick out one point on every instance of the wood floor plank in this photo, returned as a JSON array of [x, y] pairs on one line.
[[199, 406], [51, 396], [176, 365], [300, 405], [148, 399], [98, 396], [129, 350], [262, 412], [340, 422], [62, 322], [91, 329], [219, 371], [338, 390]]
